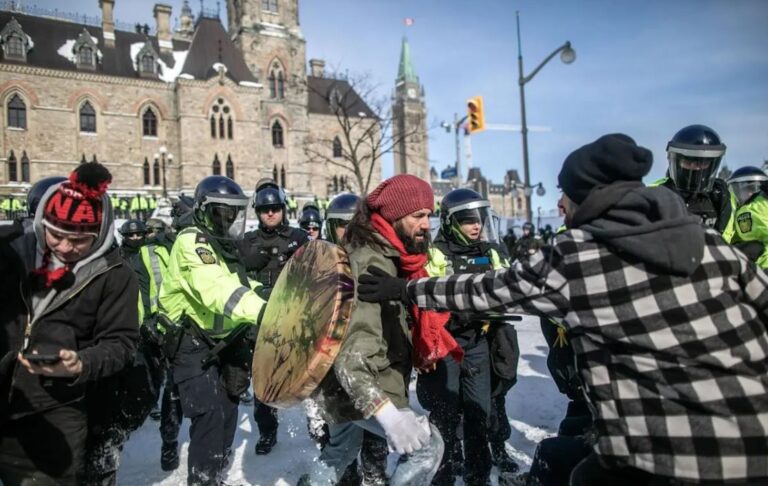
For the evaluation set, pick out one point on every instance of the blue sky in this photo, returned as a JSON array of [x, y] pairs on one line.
[[645, 68]]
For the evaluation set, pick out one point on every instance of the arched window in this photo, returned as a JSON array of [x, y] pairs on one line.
[[14, 41], [17, 112], [276, 81], [13, 170], [277, 134], [149, 123], [230, 168], [148, 63], [272, 85], [24, 167], [147, 182], [156, 172], [85, 56], [337, 148], [87, 118], [222, 123], [280, 86], [15, 47], [274, 172], [282, 176], [216, 165]]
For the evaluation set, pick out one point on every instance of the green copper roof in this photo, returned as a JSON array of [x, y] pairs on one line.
[[406, 72]]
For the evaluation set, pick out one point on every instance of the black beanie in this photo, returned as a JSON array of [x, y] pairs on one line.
[[610, 158]]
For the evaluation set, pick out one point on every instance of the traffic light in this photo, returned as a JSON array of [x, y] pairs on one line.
[[475, 115]]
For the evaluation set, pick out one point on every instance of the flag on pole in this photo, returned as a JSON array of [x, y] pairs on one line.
[[408, 21]]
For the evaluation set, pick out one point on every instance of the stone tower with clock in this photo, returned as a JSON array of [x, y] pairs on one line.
[[409, 124]]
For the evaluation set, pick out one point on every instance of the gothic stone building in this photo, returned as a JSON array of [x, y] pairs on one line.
[[182, 104]]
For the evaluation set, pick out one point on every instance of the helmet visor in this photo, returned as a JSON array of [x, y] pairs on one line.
[[474, 225], [745, 190], [693, 174], [225, 220]]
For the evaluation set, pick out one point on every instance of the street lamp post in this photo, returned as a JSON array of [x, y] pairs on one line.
[[456, 126], [567, 56], [161, 157]]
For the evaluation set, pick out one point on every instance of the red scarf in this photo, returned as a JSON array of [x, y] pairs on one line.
[[431, 341], [50, 278]]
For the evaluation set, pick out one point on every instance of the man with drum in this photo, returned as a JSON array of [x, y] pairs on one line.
[[369, 387]]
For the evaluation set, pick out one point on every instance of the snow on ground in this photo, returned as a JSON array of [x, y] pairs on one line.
[[534, 406]]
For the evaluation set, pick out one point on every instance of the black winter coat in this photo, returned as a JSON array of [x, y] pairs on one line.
[[97, 317]]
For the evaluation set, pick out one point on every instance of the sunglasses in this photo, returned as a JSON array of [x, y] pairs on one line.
[[270, 209]]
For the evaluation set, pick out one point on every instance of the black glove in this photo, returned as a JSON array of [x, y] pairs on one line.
[[379, 286], [255, 261]]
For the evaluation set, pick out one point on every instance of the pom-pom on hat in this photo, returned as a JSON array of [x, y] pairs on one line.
[[76, 205], [400, 196]]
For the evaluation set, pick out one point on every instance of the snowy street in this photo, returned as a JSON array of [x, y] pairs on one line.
[[534, 405]]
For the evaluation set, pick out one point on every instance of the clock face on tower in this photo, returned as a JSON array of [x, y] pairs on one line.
[[411, 93]]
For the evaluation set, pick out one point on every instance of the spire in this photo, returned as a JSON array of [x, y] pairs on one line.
[[406, 72]]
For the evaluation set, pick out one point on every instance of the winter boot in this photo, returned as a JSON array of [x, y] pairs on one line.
[[265, 443], [169, 456], [501, 458]]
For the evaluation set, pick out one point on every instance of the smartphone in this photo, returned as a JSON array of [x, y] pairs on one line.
[[42, 358]]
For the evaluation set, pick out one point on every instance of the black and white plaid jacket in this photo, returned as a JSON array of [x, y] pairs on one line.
[[674, 367]]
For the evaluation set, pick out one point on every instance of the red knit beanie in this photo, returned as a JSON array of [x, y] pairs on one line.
[[400, 196], [76, 205]]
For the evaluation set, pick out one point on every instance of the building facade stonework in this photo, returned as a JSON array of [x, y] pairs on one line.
[[237, 102]]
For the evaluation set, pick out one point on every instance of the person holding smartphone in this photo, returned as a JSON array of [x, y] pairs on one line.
[[69, 320]]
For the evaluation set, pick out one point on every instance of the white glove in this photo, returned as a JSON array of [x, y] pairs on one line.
[[406, 431]]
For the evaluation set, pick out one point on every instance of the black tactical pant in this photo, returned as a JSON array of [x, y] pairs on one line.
[[453, 392], [170, 410], [265, 417], [212, 411]]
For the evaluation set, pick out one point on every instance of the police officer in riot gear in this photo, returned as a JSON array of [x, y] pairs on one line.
[[264, 252], [208, 300], [694, 156], [311, 221], [134, 232], [467, 243], [528, 244], [339, 214], [749, 187]]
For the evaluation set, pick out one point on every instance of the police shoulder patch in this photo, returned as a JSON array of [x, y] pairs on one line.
[[744, 221], [205, 255]]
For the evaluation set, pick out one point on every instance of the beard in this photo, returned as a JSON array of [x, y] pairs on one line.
[[412, 246]]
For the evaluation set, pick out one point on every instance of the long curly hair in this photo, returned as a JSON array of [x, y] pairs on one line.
[[359, 230]]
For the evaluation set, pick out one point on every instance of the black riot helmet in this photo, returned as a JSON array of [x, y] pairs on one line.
[[310, 217], [37, 191], [134, 233], [466, 217], [339, 214], [219, 207], [694, 155], [528, 226], [745, 182], [268, 193], [133, 227]]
